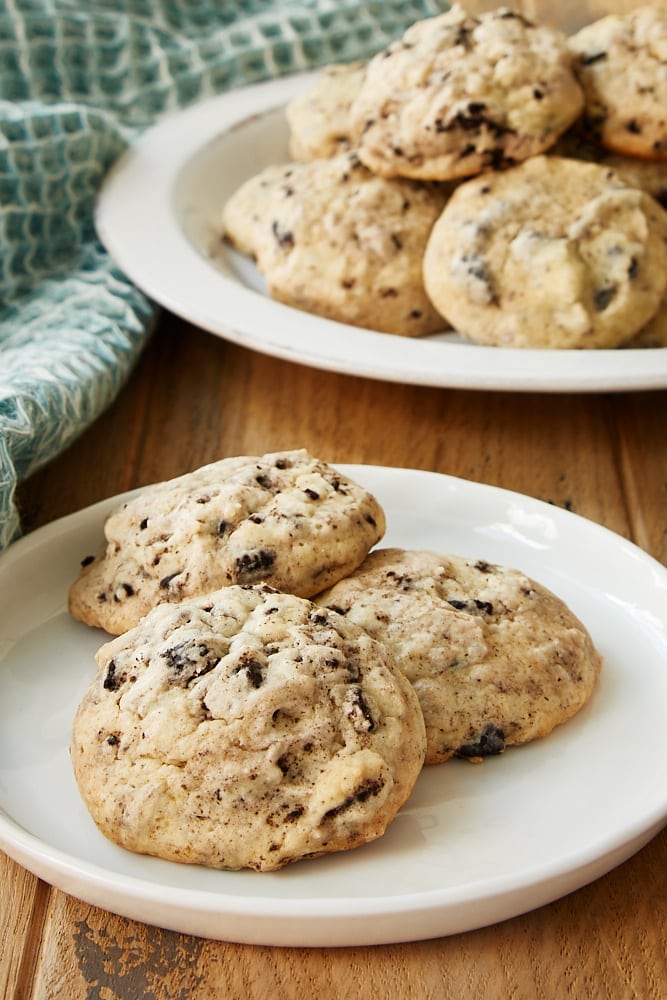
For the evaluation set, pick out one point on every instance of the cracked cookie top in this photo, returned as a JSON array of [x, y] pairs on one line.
[[552, 253], [621, 63], [494, 657], [459, 94], [246, 728], [340, 242], [285, 518]]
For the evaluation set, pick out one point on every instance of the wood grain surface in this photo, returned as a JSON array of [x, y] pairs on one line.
[[194, 398]]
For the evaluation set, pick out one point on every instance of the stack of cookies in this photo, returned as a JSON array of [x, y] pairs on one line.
[[483, 173], [277, 682]]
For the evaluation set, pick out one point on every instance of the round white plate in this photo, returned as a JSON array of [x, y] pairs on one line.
[[158, 215], [473, 845]]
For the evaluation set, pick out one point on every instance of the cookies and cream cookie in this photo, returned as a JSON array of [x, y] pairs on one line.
[[285, 518], [621, 63], [647, 175], [654, 334], [319, 119], [553, 253], [245, 211], [339, 242], [246, 729], [495, 658], [461, 93]]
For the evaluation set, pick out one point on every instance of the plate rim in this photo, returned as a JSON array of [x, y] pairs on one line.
[[147, 175], [433, 914]]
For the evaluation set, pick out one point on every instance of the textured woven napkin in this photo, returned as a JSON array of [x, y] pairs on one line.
[[78, 82]]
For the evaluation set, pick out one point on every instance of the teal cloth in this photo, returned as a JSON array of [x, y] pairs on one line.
[[78, 83]]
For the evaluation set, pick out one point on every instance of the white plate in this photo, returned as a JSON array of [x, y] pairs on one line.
[[158, 215], [474, 844]]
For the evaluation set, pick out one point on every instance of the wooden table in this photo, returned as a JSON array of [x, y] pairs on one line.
[[195, 398]]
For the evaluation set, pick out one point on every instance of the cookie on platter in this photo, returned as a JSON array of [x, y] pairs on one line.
[[460, 94], [553, 253], [339, 242], [319, 118], [621, 63]]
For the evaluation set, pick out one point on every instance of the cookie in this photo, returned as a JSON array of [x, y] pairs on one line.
[[245, 211], [621, 64], [495, 658], [245, 729], [460, 94], [319, 119], [654, 334], [344, 244], [553, 253], [286, 519], [647, 175]]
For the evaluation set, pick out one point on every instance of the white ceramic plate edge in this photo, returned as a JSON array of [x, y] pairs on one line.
[[347, 922]]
